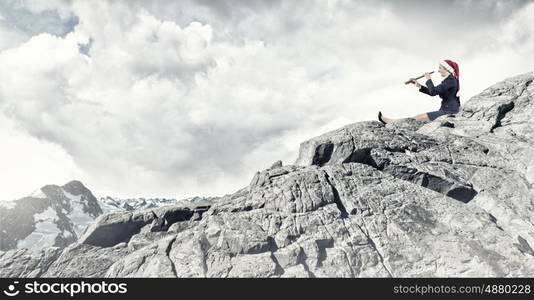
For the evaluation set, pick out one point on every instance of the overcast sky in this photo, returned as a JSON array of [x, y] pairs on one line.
[[181, 98]]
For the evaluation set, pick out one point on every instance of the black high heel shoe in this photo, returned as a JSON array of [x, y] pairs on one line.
[[380, 117]]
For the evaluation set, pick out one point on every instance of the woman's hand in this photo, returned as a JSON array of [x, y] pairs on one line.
[[415, 82], [427, 76]]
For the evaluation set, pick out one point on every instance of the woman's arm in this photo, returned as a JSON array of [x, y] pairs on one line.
[[434, 90], [421, 88], [424, 89]]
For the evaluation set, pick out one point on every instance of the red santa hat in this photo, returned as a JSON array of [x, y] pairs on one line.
[[453, 68]]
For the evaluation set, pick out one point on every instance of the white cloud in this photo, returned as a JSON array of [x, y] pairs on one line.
[[192, 97], [8, 38], [28, 163]]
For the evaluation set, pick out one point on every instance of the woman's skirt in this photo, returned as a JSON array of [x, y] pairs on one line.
[[432, 115]]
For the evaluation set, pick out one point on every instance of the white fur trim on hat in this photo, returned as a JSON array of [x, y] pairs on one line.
[[447, 66]]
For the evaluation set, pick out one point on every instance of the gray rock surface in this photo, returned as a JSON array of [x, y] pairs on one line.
[[452, 197]]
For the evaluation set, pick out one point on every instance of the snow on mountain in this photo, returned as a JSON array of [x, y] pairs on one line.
[[78, 215], [38, 193], [8, 204], [45, 231]]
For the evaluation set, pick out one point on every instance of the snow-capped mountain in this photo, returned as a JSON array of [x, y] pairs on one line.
[[51, 216], [56, 216], [113, 204]]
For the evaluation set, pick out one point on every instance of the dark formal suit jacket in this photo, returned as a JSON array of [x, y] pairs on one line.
[[446, 91]]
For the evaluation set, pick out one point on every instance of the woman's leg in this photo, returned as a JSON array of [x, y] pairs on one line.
[[388, 120]]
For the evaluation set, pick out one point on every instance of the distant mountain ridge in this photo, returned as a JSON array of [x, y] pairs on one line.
[[113, 204]]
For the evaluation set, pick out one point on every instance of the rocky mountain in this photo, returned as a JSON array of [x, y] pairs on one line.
[[452, 197], [56, 216], [52, 216]]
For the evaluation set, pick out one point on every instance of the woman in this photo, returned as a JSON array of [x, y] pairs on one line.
[[447, 91]]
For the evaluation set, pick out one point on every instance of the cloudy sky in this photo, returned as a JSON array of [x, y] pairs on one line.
[[181, 98]]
